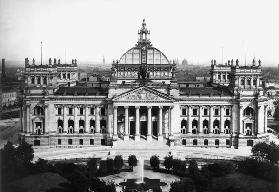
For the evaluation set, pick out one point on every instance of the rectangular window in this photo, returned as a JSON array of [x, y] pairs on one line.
[[64, 75], [81, 111], [59, 111], [254, 82], [103, 111], [228, 142], [227, 112], [59, 142], [70, 141], [249, 82], [81, 141], [195, 111], [205, 112], [70, 111], [242, 81], [92, 111], [216, 112], [32, 80], [183, 111], [91, 141], [224, 76]]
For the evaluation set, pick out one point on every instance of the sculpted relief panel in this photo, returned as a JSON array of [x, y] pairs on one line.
[[141, 95]]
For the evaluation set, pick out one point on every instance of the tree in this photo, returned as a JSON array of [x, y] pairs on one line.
[[193, 167], [25, 153], [154, 162], [168, 162], [132, 160], [264, 151], [92, 168], [118, 162]]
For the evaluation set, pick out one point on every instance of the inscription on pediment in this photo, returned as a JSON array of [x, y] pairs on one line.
[[140, 95]]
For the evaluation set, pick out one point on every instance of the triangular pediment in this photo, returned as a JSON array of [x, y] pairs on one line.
[[143, 94]]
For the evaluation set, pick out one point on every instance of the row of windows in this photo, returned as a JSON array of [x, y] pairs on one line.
[[70, 142], [81, 111], [38, 80], [248, 82], [64, 76], [205, 111], [205, 142]]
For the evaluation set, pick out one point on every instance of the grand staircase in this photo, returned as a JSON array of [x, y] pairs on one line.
[[141, 144]]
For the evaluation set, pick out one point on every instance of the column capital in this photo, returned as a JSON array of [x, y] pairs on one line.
[[149, 107], [161, 107]]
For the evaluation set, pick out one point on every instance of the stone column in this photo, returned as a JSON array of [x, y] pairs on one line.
[[137, 135], [160, 124], [65, 127], [126, 136], [170, 116], [76, 120], [265, 119], [45, 126], [97, 119], [28, 118], [149, 123], [222, 119], [241, 129], [200, 119], [210, 128], [86, 119], [189, 128], [115, 121]]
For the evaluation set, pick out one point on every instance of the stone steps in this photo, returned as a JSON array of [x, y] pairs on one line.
[[141, 144]]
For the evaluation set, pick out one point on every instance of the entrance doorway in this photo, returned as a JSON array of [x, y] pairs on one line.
[[155, 129], [132, 128], [143, 128]]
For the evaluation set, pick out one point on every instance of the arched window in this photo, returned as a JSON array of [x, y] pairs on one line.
[[183, 141], [103, 124], [205, 142], [248, 111], [205, 126], [227, 127], [81, 126], [38, 110], [183, 126], [71, 125], [195, 142], [216, 126], [92, 126], [194, 126], [60, 125]]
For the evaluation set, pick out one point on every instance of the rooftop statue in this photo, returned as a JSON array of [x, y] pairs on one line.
[[33, 61]]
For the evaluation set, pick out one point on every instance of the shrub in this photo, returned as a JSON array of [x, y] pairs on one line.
[[110, 165], [92, 168], [103, 167], [118, 162], [132, 160], [168, 162], [193, 167], [179, 167], [154, 162], [221, 169]]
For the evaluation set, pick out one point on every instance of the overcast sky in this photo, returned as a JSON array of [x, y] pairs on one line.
[[197, 30]]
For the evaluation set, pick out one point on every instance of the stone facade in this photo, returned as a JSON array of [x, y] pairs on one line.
[[144, 102]]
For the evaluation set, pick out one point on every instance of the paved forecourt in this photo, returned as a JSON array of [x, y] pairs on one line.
[[145, 152]]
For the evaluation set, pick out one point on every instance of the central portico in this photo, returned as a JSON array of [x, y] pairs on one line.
[[142, 113]]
